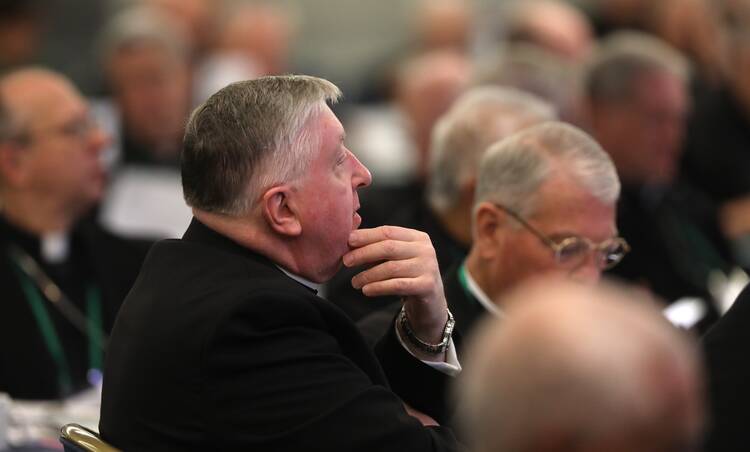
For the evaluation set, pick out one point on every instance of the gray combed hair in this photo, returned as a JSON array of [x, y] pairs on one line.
[[512, 170], [479, 118], [141, 25], [625, 56], [250, 136]]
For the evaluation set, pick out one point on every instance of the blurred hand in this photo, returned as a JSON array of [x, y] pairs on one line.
[[423, 418]]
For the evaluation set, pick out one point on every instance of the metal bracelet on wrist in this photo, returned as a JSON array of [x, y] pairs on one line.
[[403, 320]]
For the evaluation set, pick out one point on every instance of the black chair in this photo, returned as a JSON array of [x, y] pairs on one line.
[[77, 438]]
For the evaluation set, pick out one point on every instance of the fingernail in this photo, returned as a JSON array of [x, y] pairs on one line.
[[355, 283], [347, 259], [352, 237]]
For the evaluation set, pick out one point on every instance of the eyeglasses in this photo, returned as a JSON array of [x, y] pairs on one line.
[[77, 129], [571, 252]]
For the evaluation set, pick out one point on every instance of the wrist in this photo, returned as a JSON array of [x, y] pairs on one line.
[[434, 343]]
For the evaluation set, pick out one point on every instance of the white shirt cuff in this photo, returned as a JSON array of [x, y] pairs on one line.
[[450, 366]]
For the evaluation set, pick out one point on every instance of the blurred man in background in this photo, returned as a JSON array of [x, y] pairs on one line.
[[62, 276], [638, 101], [545, 203]]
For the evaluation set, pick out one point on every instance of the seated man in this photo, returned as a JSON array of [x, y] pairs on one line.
[[638, 99], [62, 278], [581, 369], [222, 344], [545, 203]]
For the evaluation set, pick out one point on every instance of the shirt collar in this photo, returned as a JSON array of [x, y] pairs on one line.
[[305, 282], [480, 295]]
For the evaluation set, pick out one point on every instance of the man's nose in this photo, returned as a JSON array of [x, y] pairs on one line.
[[589, 272], [361, 176]]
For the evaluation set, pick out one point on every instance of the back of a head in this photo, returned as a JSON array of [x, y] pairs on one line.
[[537, 70], [248, 136], [513, 169], [580, 368], [552, 24], [477, 119]]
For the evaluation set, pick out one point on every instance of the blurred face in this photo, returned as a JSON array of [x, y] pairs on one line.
[[152, 91], [328, 199], [563, 210], [60, 151], [645, 135]]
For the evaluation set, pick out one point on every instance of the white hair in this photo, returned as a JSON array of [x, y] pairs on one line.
[[478, 118], [513, 170]]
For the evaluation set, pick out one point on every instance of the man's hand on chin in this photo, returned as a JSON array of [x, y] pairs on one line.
[[404, 265]]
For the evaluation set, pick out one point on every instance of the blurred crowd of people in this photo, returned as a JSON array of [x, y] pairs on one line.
[[616, 133]]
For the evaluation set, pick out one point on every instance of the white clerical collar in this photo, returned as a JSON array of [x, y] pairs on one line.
[[54, 247], [305, 282], [479, 294]]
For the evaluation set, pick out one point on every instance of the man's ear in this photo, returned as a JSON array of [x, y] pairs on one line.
[[488, 221], [280, 211], [12, 169]]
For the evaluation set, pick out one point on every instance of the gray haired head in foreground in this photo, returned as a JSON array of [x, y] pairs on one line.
[[249, 136]]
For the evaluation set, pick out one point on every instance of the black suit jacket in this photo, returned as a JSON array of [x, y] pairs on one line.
[[675, 243], [728, 367], [466, 309], [96, 259], [215, 348]]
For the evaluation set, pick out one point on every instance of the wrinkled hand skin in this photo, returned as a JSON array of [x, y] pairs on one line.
[[403, 264]]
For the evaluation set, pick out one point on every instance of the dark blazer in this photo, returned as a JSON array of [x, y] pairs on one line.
[[466, 309], [675, 243], [97, 259], [728, 367], [215, 348]]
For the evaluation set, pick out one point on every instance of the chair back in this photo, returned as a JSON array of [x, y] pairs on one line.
[[77, 438]]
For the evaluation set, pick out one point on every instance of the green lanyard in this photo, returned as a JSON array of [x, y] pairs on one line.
[[93, 331], [465, 283]]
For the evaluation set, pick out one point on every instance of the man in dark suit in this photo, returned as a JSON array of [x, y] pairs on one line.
[[62, 277], [638, 101], [544, 203], [222, 343]]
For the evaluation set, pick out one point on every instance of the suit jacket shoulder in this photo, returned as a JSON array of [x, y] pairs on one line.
[[216, 348]]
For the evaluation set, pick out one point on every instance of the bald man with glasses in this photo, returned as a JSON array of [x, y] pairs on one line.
[[545, 203]]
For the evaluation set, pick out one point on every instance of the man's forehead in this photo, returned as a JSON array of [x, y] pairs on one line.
[[41, 97]]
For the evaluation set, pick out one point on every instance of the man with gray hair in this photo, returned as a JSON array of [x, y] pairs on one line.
[[480, 117], [575, 368], [637, 95], [477, 119], [544, 203], [222, 344]]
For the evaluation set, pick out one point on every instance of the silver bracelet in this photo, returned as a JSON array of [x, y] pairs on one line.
[[403, 320]]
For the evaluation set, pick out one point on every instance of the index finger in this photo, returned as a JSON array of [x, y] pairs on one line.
[[362, 237]]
